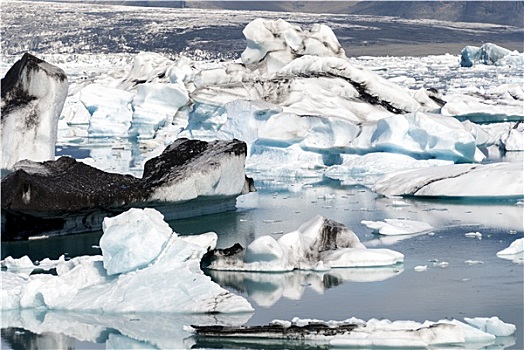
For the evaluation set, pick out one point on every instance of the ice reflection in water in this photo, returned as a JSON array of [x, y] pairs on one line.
[[265, 289], [49, 329]]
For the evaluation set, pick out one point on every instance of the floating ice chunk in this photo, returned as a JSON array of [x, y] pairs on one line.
[[473, 235], [391, 227], [276, 43], [481, 110], [458, 180], [515, 247], [352, 257], [318, 243], [171, 282], [133, 239], [488, 53], [515, 252], [492, 325], [474, 262], [358, 333]]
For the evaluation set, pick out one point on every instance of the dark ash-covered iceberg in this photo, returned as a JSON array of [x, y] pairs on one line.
[[33, 95], [189, 178]]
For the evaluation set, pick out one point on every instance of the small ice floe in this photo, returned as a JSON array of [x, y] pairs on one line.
[[492, 325], [271, 221], [474, 262], [142, 260], [474, 235], [317, 240], [515, 252], [355, 332], [392, 227], [421, 268], [442, 264], [399, 203]]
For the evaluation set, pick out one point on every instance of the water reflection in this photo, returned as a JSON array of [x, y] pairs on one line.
[[48, 329], [266, 289]]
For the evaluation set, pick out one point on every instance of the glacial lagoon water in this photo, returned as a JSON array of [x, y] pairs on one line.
[[464, 277], [473, 283]]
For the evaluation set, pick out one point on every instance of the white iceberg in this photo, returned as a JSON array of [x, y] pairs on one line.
[[318, 244], [515, 252], [492, 325], [494, 180], [276, 43], [171, 282], [394, 227]]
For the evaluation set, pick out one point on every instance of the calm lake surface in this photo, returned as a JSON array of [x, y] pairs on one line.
[[476, 283]]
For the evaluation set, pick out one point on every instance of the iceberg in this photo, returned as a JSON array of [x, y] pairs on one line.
[[301, 106], [489, 54], [189, 178], [394, 227], [492, 325], [273, 44], [33, 95], [318, 244], [494, 180], [515, 252], [355, 332], [130, 276]]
